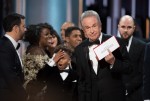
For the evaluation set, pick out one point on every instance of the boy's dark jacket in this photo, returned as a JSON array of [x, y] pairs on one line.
[[57, 89]]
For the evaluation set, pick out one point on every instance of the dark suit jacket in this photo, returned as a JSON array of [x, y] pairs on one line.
[[57, 89], [146, 81], [133, 81], [107, 85], [11, 75]]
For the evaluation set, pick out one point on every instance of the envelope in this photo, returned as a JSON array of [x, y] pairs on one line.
[[102, 50]]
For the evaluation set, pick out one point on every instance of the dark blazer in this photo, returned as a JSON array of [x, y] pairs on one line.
[[146, 79], [57, 89], [11, 75], [107, 85], [133, 81]]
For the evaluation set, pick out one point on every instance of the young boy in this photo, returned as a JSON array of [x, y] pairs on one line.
[[61, 79]]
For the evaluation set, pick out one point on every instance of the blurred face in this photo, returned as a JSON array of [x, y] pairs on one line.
[[126, 27], [52, 41], [63, 62], [44, 37], [91, 27], [74, 39], [63, 28], [21, 29]]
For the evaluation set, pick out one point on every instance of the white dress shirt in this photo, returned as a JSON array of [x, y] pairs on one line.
[[129, 44], [64, 74], [51, 62], [92, 55]]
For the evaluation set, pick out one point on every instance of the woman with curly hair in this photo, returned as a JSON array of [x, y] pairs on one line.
[[36, 59]]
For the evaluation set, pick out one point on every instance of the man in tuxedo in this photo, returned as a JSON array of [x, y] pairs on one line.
[[146, 75], [136, 49], [11, 75], [99, 80]]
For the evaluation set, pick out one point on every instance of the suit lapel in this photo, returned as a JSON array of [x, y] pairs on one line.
[[86, 50], [133, 47], [17, 66], [104, 38], [14, 51], [69, 77], [101, 62], [87, 63]]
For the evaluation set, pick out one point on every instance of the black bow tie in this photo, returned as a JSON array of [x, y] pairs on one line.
[[18, 46], [65, 70], [97, 42]]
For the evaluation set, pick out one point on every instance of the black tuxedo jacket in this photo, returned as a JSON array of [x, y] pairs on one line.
[[11, 75], [107, 85], [133, 81], [57, 89], [146, 81]]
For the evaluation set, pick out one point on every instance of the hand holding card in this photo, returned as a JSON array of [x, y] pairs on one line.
[[102, 50]]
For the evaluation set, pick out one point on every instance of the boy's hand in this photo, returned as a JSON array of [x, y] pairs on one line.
[[58, 56]]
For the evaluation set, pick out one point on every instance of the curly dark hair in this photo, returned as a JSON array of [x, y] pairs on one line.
[[33, 33]]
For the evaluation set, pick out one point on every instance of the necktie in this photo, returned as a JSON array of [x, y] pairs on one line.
[[65, 70], [18, 46], [97, 42]]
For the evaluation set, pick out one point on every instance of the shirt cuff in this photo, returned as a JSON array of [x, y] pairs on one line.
[[51, 63]]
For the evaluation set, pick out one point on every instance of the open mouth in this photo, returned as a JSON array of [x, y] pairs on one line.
[[59, 65], [50, 42]]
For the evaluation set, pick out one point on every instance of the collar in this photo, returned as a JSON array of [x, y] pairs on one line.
[[67, 68], [130, 40], [12, 40], [100, 38]]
